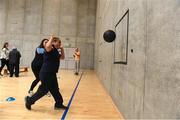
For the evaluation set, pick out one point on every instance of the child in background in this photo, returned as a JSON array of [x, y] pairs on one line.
[[77, 61]]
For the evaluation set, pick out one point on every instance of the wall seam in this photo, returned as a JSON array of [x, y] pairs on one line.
[[146, 55], [42, 14], [59, 21], [24, 18], [77, 23], [6, 18]]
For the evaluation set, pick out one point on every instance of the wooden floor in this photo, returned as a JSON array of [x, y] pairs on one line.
[[91, 102]]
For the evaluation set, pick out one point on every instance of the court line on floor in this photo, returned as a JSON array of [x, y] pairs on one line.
[[70, 101]]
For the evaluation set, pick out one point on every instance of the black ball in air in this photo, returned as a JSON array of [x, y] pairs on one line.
[[109, 36]]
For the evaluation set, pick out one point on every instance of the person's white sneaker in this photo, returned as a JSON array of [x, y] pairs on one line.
[[48, 94], [31, 93]]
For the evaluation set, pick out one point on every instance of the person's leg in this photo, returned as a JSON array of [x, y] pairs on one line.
[[75, 67], [35, 82], [44, 87], [78, 66], [54, 90], [17, 70], [33, 85], [42, 90], [7, 64], [3, 62], [11, 69]]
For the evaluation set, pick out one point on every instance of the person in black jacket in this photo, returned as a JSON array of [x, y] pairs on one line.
[[48, 75], [37, 64], [14, 61]]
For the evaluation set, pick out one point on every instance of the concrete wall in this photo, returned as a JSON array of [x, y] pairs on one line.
[[148, 86], [24, 23]]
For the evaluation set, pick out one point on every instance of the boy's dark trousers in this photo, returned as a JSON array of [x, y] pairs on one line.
[[48, 83]]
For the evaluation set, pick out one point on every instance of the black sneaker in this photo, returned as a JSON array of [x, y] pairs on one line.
[[62, 107], [27, 104]]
